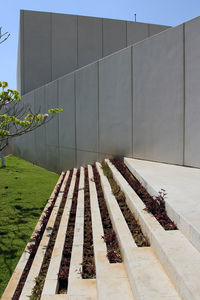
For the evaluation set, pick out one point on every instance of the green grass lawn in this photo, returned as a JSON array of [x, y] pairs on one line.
[[24, 190]]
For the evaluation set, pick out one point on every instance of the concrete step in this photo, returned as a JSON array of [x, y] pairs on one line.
[[147, 277], [182, 187], [178, 256], [37, 262], [168, 269], [51, 281], [112, 280]]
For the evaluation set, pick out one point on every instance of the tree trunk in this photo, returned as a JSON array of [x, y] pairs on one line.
[[2, 160]]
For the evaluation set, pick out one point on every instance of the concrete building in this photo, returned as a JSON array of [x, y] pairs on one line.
[[123, 91]]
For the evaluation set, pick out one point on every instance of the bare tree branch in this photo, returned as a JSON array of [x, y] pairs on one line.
[[5, 36]]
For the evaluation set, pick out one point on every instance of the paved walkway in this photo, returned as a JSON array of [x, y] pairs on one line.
[[182, 185]]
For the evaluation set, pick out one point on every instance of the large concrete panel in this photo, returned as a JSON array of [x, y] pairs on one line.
[[115, 108], [136, 32], [16, 145], [114, 36], [53, 159], [87, 108], [84, 158], [40, 133], [89, 40], [158, 97], [53, 45], [36, 50], [64, 44], [66, 101], [155, 29], [51, 101], [67, 159], [192, 93]]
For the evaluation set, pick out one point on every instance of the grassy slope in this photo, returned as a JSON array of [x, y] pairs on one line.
[[24, 190]]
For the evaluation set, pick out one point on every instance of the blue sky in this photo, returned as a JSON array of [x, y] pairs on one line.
[[170, 12]]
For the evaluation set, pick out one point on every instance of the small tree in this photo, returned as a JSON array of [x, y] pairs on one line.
[[17, 119]]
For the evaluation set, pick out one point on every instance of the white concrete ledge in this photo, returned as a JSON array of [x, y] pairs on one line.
[[51, 281], [112, 280], [77, 248], [37, 262], [182, 187], [180, 259], [147, 278]]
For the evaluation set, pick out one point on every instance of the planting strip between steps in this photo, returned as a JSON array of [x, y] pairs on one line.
[[16, 283], [40, 279], [111, 279], [180, 259], [33, 278], [88, 265], [155, 206], [70, 214], [110, 238], [56, 248], [140, 262], [138, 236], [79, 288]]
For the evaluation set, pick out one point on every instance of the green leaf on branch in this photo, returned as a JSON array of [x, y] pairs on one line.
[[17, 120]]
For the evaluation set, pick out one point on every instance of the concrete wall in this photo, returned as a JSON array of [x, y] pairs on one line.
[[142, 101], [192, 93], [52, 45], [158, 97]]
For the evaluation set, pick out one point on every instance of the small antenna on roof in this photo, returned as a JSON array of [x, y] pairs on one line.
[[135, 17]]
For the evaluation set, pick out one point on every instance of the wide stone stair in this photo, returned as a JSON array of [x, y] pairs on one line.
[[69, 267]]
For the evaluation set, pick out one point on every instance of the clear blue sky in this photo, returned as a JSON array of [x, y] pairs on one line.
[[165, 12]]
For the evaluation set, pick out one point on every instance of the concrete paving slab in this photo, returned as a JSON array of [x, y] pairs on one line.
[[177, 255], [183, 193], [83, 289]]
